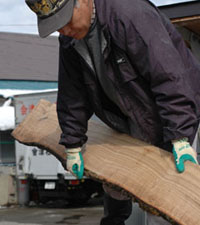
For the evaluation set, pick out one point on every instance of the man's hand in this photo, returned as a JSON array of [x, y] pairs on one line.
[[75, 162], [182, 152]]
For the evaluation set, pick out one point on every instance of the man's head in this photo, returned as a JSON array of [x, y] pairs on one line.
[[69, 17]]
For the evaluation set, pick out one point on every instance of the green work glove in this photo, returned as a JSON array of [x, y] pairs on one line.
[[182, 152], [75, 162]]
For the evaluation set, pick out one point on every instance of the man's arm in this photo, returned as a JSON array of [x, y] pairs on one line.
[[73, 106], [73, 109]]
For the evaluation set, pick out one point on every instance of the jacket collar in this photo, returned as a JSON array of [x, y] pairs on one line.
[[81, 47]]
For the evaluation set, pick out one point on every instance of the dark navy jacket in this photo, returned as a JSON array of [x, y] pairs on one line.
[[154, 73]]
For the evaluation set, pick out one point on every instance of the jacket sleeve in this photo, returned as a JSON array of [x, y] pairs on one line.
[[73, 108], [143, 35]]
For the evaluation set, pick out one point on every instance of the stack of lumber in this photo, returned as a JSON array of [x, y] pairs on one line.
[[144, 172]]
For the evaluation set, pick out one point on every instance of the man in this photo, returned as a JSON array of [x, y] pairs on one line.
[[125, 62]]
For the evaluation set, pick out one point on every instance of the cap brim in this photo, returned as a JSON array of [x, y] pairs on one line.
[[52, 23]]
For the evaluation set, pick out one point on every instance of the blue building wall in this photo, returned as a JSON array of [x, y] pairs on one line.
[[27, 85]]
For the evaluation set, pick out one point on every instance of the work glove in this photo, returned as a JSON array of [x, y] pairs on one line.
[[75, 162], [182, 152]]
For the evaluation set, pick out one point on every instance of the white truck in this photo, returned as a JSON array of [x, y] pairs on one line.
[[40, 177]]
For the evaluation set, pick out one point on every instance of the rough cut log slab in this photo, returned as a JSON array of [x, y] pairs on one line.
[[143, 171]]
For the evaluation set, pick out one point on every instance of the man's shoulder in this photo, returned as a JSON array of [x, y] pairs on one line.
[[126, 10]]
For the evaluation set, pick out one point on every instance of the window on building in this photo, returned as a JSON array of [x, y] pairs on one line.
[[7, 147]]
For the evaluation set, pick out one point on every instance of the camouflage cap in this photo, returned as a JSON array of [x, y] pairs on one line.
[[51, 14]]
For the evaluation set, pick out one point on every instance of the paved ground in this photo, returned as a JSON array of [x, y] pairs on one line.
[[58, 213], [52, 215]]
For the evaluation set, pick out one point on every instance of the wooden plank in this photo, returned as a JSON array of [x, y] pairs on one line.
[[192, 23], [145, 172]]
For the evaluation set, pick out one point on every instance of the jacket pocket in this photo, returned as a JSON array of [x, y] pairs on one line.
[[123, 67]]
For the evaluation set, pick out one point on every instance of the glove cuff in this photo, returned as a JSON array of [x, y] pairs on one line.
[[184, 139], [73, 150]]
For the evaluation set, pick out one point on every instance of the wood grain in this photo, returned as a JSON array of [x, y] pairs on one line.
[[143, 171]]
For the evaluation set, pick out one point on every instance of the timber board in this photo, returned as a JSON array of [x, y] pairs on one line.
[[143, 171]]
